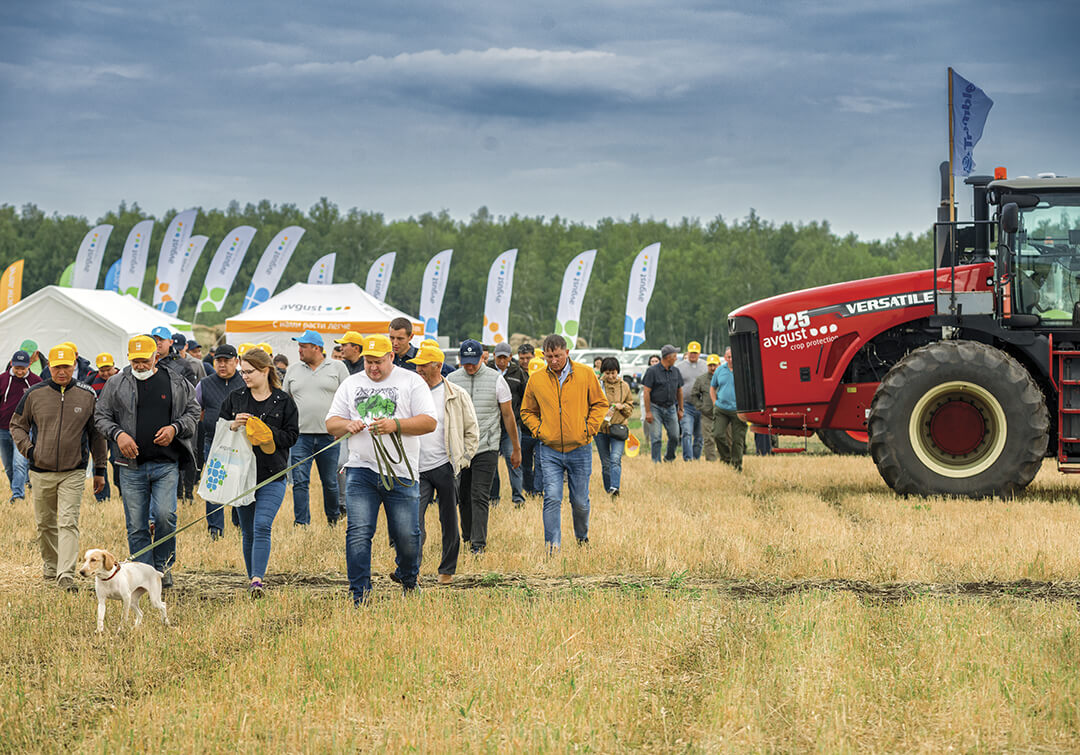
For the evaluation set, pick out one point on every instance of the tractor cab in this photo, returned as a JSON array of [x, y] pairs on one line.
[[1041, 238]]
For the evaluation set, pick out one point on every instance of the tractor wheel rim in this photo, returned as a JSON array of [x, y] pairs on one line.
[[958, 429]]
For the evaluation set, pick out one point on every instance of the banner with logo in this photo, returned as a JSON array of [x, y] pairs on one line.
[[574, 282], [642, 281], [65, 277], [322, 272], [271, 266], [11, 285], [378, 277], [171, 255], [970, 106], [133, 260], [112, 276], [497, 301], [88, 260], [192, 251], [223, 268], [431, 294]]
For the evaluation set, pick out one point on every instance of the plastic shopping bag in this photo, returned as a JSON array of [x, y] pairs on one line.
[[229, 469]]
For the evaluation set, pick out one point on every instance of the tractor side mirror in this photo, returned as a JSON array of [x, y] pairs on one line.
[[1010, 218]]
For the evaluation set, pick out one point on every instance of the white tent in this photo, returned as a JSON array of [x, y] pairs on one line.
[[94, 320], [328, 309]]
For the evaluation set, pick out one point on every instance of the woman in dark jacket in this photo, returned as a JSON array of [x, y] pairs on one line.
[[262, 399]]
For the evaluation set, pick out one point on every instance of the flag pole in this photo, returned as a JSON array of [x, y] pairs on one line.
[[952, 191]]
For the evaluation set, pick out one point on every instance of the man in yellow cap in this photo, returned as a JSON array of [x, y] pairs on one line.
[[444, 453], [55, 429], [150, 416], [84, 371], [380, 401], [691, 367], [352, 346], [700, 399]]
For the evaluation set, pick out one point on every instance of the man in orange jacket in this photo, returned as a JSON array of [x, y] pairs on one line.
[[563, 407]]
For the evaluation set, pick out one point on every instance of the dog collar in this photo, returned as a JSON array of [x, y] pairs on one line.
[[117, 571]]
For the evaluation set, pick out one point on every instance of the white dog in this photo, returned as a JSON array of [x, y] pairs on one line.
[[126, 582]]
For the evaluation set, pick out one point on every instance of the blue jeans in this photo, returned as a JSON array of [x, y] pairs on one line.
[[506, 449], [363, 495], [692, 437], [610, 451], [16, 466], [576, 466], [664, 417], [256, 520], [306, 445], [149, 492], [532, 477]]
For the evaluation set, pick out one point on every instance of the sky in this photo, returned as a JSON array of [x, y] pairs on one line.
[[834, 110]]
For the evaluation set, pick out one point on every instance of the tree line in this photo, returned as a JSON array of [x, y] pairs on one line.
[[705, 269]]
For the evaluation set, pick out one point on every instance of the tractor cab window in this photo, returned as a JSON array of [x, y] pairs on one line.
[[1048, 258]]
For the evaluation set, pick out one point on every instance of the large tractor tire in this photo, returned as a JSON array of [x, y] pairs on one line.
[[958, 418], [844, 442]]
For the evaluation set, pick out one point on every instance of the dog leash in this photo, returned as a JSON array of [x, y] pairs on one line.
[[245, 494], [386, 462]]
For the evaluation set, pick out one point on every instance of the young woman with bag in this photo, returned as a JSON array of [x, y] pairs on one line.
[[613, 432], [270, 418]]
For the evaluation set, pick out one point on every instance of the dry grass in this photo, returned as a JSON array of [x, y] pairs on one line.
[[654, 659]]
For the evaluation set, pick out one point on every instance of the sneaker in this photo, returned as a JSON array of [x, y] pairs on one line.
[[256, 588], [445, 579], [216, 534], [395, 577], [18, 501], [583, 541], [68, 584], [614, 492]]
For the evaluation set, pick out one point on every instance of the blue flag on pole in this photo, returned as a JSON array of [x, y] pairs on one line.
[[112, 278], [970, 106]]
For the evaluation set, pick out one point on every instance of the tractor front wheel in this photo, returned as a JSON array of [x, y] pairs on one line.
[[958, 418]]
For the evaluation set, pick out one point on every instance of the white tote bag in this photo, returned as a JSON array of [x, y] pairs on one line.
[[229, 469]]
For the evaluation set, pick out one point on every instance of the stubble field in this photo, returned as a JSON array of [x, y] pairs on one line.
[[798, 606]]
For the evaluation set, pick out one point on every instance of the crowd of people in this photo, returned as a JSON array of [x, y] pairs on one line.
[[387, 424]]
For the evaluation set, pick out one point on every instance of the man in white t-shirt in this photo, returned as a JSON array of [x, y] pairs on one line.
[[373, 405], [444, 453]]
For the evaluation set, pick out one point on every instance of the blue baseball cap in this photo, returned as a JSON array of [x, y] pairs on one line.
[[20, 359], [161, 332], [312, 337], [179, 340], [470, 352]]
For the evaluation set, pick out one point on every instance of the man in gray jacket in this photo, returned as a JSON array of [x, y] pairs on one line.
[[150, 417], [491, 399]]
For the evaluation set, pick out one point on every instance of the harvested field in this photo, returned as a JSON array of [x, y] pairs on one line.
[[799, 606]]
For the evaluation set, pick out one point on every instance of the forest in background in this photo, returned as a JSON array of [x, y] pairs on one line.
[[706, 269]]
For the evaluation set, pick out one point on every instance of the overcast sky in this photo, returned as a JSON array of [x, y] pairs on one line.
[[827, 110]]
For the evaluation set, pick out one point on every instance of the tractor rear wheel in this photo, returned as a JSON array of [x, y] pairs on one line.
[[958, 418], [844, 442]]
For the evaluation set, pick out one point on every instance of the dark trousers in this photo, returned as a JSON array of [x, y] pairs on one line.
[[441, 480], [186, 486], [473, 491], [532, 481]]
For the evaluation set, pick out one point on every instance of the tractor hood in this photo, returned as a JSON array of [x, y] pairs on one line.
[[866, 296]]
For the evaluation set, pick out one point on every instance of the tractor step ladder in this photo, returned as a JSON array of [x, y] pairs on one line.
[[1067, 369], [776, 437]]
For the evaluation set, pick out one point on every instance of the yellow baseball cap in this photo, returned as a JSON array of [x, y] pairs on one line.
[[351, 337], [376, 346], [427, 354], [536, 364], [141, 347], [260, 435], [244, 347], [430, 342], [105, 359], [265, 347], [713, 359], [62, 355], [693, 348]]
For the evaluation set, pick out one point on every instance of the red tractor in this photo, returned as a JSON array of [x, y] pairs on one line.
[[964, 376]]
